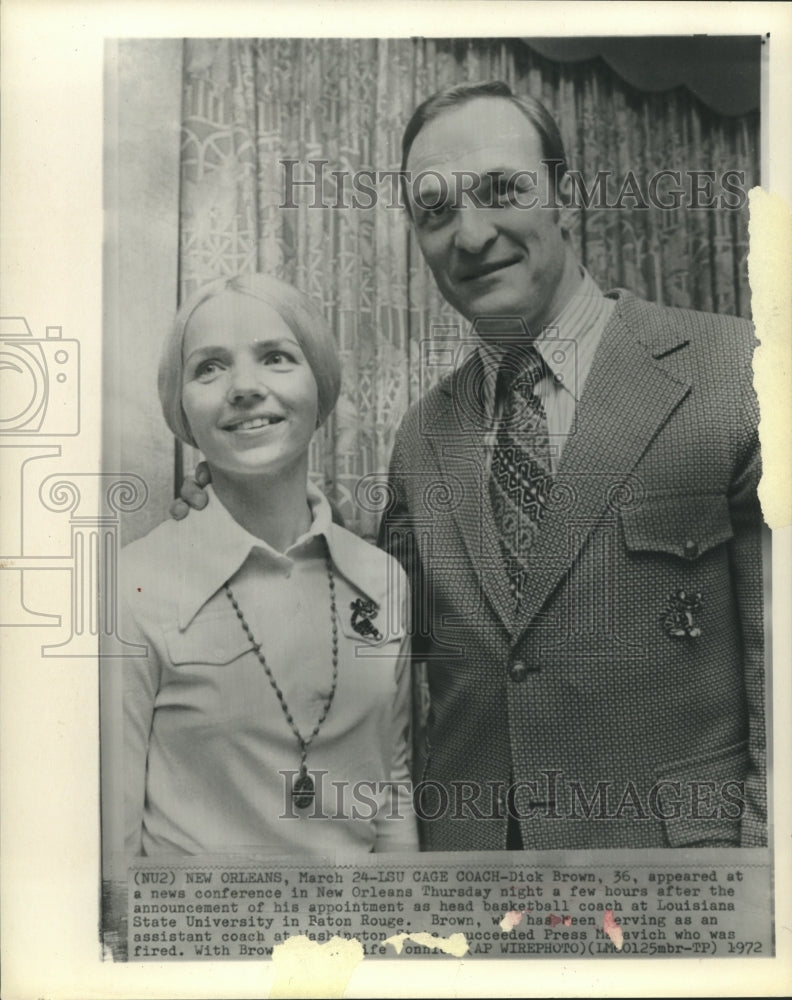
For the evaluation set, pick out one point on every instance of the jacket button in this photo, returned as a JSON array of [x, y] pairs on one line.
[[691, 548], [518, 671]]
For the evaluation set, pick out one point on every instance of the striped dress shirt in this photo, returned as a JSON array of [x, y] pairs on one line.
[[567, 347]]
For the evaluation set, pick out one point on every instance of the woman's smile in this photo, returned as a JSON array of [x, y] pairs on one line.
[[246, 424]]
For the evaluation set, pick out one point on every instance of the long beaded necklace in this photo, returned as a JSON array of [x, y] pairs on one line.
[[303, 791]]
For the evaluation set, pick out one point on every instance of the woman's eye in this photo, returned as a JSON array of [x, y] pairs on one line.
[[207, 370], [279, 358]]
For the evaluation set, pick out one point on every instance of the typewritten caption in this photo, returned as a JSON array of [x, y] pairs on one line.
[[193, 909]]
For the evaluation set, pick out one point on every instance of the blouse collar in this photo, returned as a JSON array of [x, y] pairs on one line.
[[213, 546]]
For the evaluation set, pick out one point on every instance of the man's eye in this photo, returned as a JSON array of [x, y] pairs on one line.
[[434, 214], [510, 190]]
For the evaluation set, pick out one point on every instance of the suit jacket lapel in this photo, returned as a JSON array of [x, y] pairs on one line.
[[462, 443], [627, 398]]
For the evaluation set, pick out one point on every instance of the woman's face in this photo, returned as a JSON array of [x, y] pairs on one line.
[[248, 392]]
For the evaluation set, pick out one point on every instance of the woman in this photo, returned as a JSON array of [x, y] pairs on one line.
[[271, 712]]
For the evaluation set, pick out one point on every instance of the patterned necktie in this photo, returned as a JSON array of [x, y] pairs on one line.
[[521, 474]]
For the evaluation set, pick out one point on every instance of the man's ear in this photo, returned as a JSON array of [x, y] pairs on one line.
[[565, 198]]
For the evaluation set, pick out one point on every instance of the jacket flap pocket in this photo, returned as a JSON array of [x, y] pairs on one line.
[[216, 640], [701, 799], [685, 526]]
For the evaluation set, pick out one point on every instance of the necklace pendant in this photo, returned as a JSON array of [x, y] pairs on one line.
[[304, 791]]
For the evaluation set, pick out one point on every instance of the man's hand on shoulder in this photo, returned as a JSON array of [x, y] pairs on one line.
[[192, 493]]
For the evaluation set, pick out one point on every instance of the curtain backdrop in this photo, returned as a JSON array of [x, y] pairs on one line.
[[250, 104]]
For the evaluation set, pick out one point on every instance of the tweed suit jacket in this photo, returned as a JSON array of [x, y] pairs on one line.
[[623, 703]]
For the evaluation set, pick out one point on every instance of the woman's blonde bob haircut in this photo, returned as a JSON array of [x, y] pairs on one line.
[[303, 318]]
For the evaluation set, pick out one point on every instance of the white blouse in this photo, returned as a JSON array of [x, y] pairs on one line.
[[209, 757]]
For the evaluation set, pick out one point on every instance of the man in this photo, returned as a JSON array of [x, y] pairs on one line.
[[600, 681], [587, 580]]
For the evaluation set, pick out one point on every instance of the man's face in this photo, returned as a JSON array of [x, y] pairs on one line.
[[497, 257]]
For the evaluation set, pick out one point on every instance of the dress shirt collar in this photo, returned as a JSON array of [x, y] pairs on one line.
[[582, 320], [213, 546]]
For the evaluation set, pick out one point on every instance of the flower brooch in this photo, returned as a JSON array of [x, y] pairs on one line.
[[681, 619]]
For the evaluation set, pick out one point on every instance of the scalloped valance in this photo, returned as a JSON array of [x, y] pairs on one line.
[[722, 71]]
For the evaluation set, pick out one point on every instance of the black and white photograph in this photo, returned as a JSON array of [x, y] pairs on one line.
[[396, 328], [425, 573]]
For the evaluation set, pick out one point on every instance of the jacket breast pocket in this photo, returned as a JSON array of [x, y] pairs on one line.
[[687, 526]]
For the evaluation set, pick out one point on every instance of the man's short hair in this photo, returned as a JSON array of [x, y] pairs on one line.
[[536, 113]]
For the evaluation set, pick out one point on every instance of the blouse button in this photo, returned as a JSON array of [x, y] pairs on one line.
[[691, 548]]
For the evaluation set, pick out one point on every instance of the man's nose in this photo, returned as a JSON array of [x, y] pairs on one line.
[[474, 229]]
